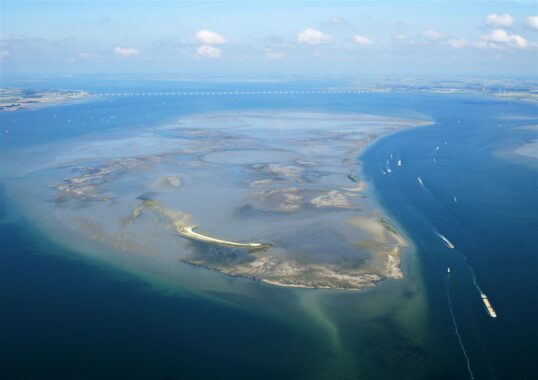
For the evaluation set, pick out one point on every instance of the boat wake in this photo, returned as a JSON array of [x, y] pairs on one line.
[[455, 324], [485, 300], [447, 242], [387, 167], [421, 183]]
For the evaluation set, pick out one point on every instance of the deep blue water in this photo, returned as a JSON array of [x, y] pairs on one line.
[[493, 224], [70, 319]]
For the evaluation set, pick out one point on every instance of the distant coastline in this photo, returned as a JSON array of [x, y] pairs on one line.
[[13, 99]]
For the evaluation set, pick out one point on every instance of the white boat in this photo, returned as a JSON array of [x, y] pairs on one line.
[[448, 270], [420, 181], [399, 163]]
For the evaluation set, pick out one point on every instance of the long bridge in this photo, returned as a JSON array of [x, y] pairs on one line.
[[235, 93]]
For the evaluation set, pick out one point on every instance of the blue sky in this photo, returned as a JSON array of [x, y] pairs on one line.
[[300, 37]]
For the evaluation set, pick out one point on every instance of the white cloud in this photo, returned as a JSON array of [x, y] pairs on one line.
[[126, 52], [486, 45], [311, 36], [519, 41], [88, 56], [400, 37], [500, 36], [4, 54], [362, 40], [208, 51], [337, 20], [433, 35], [499, 20], [457, 43], [207, 37], [274, 55], [532, 22]]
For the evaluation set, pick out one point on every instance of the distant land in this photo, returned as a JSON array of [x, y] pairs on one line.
[[12, 99]]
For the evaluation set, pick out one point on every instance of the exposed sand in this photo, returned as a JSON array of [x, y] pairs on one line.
[[188, 232], [284, 189]]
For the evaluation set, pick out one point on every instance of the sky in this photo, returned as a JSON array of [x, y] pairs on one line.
[[269, 37]]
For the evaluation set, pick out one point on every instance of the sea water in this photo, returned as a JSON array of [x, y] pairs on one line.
[[65, 315]]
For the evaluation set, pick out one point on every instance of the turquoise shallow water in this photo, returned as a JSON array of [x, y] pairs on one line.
[[68, 317]]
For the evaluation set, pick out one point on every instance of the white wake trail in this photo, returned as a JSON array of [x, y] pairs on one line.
[[456, 330]]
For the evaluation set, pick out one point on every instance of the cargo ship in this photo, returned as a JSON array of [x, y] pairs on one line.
[[488, 306]]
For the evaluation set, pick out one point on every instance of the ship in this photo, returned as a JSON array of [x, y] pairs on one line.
[[487, 304], [399, 163], [448, 270], [420, 181]]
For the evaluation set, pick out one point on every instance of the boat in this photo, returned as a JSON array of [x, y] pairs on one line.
[[487, 304], [399, 163], [420, 181], [448, 270], [445, 240]]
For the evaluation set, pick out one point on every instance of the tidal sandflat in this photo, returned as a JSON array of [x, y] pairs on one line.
[[274, 197]]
